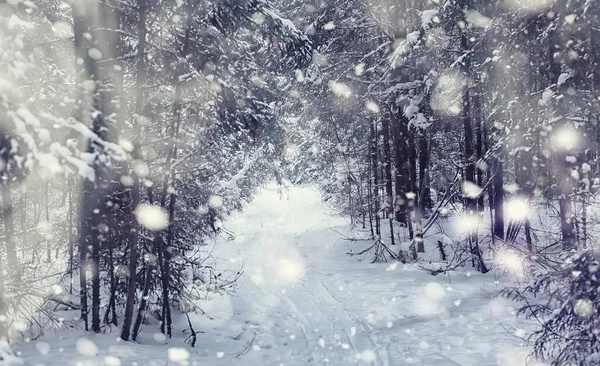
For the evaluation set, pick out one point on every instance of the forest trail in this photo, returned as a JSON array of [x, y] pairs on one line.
[[303, 301], [314, 304]]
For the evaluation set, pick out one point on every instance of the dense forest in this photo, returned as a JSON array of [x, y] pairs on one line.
[[464, 131]]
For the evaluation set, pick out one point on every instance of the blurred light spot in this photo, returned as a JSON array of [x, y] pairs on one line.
[[329, 26], [516, 209], [152, 217], [471, 190], [584, 308], [565, 138], [86, 347], [340, 89], [95, 54], [372, 107], [178, 355], [447, 97]]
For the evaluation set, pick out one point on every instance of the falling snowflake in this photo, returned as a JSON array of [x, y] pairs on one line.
[[471, 190], [86, 347], [372, 107], [434, 291], [178, 355], [43, 348], [152, 217], [215, 202], [340, 89], [584, 308], [329, 26], [516, 209], [112, 361]]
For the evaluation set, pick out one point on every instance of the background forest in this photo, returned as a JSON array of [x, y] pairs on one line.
[[453, 133]]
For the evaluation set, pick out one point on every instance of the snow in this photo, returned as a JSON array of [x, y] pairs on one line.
[[413, 37], [478, 20], [286, 23], [340, 89], [517, 209], [584, 308], [215, 201], [7, 356], [570, 19], [511, 261], [565, 138], [447, 95], [435, 291], [302, 300], [586, 168], [471, 190], [43, 348], [428, 17], [372, 107], [530, 6], [359, 69], [140, 168], [562, 78], [467, 223], [329, 26], [95, 53], [86, 347], [178, 355], [546, 95], [152, 217], [258, 17], [112, 361]]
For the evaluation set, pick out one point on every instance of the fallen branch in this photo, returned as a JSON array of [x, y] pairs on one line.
[[349, 238], [380, 252], [247, 348], [192, 337]]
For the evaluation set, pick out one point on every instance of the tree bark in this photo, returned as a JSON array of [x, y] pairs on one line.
[[388, 176], [424, 190], [135, 189], [96, 39], [374, 177], [498, 198], [3, 305], [9, 227]]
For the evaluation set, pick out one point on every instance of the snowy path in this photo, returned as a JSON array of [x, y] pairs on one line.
[[320, 305], [303, 301]]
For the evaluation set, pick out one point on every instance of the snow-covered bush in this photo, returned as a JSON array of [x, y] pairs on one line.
[[564, 300]]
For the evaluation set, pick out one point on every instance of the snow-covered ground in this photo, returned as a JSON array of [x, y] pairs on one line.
[[303, 301]]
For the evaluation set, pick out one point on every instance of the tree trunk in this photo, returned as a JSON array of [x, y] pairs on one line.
[[414, 201], [4, 321], [9, 227], [135, 189], [565, 184], [71, 241], [424, 190], [374, 168], [95, 268], [477, 116], [95, 26], [166, 327], [388, 176], [470, 158], [400, 155], [47, 210], [370, 195], [498, 198]]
